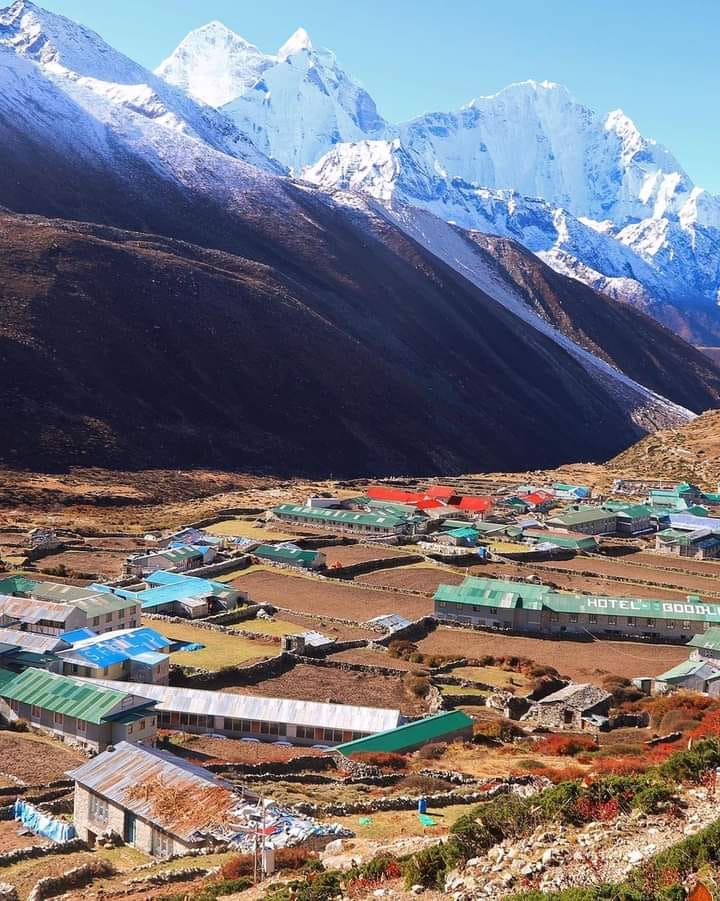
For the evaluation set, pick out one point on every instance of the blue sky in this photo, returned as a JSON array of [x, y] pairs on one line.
[[656, 59]]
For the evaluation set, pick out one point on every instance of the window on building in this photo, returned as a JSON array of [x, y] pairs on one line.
[[98, 810], [612, 620], [554, 618], [305, 732], [332, 735], [650, 621], [131, 728], [35, 712], [442, 604], [108, 617], [57, 718], [573, 617], [81, 726], [687, 625], [96, 621], [592, 618], [493, 610], [631, 621], [670, 624]]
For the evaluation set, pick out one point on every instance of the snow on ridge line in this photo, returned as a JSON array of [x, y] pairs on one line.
[[647, 409]]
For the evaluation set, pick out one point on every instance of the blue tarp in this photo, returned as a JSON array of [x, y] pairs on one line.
[[42, 824], [192, 646]]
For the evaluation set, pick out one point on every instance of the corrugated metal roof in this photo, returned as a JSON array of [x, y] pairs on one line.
[[410, 735], [86, 700], [289, 554], [33, 641], [116, 774], [584, 514], [708, 640], [31, 611], [115, 647], [386, 520], [269, 710], [78, 635]]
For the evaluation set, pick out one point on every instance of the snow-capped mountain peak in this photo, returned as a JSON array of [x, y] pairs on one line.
[[298, 41], [114, 89], [214, 64]]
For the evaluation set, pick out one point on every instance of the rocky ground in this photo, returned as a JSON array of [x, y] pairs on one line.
[[562, 857]]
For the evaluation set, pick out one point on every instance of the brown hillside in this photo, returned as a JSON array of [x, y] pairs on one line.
[[691, 453]]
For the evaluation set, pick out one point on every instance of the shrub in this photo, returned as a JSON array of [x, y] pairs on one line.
[[417, 685], [293, 858], [423, 785], [565, 745], [382, 866], [622, 689], [241, 865], [678, 721], [382, 759], [500, 730], [432, 751], [429, 866], [652, 798]]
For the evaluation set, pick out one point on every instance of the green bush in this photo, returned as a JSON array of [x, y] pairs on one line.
[[652, 798], [430, 866]]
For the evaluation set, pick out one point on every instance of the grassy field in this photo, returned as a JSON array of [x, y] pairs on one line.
[[493, 675], [220, 649], [392, 824], [274, 627], [241, 528]]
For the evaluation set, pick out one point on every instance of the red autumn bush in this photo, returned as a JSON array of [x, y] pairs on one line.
[[384, 760], [564, 745], [241, 865], [293, 858]]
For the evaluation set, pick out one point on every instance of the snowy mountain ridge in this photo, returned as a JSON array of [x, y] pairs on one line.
[[586, 191]]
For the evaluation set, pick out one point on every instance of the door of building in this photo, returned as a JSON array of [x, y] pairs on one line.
[[130, 827]]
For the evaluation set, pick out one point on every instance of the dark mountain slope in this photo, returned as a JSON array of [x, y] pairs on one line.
[[119, 347], [617, 332]]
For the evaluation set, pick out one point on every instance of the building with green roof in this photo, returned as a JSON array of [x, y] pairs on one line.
[[585, 518], [410, 736], [290, 555], [537, 609], [80, 713], [378, 523]]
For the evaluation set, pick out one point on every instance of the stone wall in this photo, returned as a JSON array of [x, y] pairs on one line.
[[315, 764], [9, 858], [369, 566], [187, 677], [51, 886]]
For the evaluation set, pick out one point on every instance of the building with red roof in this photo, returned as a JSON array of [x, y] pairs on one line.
[[475, 504]]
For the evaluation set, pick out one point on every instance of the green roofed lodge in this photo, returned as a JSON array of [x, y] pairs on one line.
[[536, 609]]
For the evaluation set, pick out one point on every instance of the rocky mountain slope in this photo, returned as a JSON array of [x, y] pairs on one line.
[[585, 191], [212, 311], [690, 452]]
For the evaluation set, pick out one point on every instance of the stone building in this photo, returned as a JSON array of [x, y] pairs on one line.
[[575, 707], [159, 803]]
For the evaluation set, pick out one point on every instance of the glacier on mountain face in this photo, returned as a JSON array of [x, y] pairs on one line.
[[586, 192], [294, 105]]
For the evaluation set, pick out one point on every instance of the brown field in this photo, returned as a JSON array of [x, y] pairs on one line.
[[413, 578], [622, 567], [234, 751], [316, 624], [348, 554], [35, 759], [701, 567], [321, 598], [580, 660], [314, 683], [11, 840], [100, 563], [129, 545], [574, 582]]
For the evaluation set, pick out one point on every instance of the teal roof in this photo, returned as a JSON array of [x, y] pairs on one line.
[[464, 532], [575, 542], [350, 517], [5, 677], [286, 554], [61, 694], [682, 670], [493, 593], [708, 641], [411, 735]]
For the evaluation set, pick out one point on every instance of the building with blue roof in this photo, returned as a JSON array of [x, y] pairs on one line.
[[175, 594], [136, 655]]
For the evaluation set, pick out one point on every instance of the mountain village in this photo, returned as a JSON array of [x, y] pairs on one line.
[[345, 670], [260, 637]]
